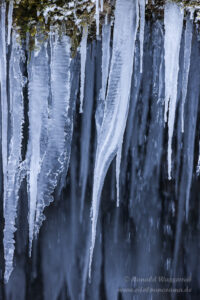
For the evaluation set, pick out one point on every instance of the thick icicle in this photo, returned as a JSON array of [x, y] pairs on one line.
[[38, 104], [10, 16], [106, 32], [58, 147], [173, 19], [83, 49], [117, 102], [14, 157], [186, 68], [142, 26]]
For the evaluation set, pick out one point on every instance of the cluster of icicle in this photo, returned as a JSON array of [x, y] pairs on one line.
[[52, 93]]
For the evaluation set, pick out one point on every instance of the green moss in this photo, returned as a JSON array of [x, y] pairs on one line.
[[38, 17]]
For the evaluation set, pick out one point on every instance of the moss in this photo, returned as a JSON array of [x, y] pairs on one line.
[[38, 17]]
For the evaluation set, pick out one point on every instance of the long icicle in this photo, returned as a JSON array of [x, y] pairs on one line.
[[102, 5], [83, 49], [10, 17], [186, 67], [142, 27], [173, 19], [97, 17], [106, 34], [117, 102], [4, 105], [57, 154], [38, 103], [17, 82]]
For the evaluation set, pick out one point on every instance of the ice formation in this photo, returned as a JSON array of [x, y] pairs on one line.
[[10, 14], [83, 50], [106, 33], [187, 54], [15, 169], [97, 17], [129, 91], [117, 102], [173, 32], [56, 140], [38, 112], [142, 26]]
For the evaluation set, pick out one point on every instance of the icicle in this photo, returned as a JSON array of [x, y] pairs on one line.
[[118, 164], [133, 101], [83, 49], [4, 105], [38, 103], [106, 19], [198, 164], [106, 32], [97, 17], [186, 66], [117, 102], [74, 89], [142, 27], [192, 11], [86, 124], [100, 105], [14, 159], [154, 142], [173, 19], [58, 146], [102, 5], [10, 15]]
